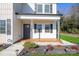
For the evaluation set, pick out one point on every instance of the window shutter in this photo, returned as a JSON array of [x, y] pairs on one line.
[[35, 27], [8, 26], [51, 27], [51, 8]]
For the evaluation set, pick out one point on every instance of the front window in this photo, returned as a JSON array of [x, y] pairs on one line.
[[2, 26], [37, 28], [48, 28]]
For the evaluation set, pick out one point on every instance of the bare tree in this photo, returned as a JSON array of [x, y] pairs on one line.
[[75, 14]]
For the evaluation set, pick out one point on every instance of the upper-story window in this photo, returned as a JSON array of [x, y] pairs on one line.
[[48, 8], [43, 8], [39, 8]]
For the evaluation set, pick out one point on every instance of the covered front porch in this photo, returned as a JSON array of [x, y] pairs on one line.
[[40, 29], [28, 26]]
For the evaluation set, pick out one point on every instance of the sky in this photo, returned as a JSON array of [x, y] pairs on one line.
[[64, 8]]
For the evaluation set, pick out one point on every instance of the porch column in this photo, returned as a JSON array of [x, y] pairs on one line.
[[58, 29], [31, 27]]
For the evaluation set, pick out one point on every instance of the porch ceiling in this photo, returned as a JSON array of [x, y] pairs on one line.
[[38, 16]]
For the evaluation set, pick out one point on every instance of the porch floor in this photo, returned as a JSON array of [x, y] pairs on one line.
[[42, 40]]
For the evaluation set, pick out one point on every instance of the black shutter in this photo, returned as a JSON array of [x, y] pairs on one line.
[[35, 28], [51, 8], [51, 27]]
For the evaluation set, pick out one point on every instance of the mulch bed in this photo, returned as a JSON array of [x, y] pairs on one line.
[[44, 50]]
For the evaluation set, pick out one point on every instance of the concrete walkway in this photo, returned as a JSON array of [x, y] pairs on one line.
[[64, 43], [11, 51]]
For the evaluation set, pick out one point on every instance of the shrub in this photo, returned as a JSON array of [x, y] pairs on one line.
[[49, 47], [75, 47], [75, 30], [69, 30], [30, 45]]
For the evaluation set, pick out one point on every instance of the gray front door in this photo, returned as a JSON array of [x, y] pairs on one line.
[[26, 31]]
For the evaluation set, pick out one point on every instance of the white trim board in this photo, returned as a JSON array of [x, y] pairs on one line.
[[38, 17]]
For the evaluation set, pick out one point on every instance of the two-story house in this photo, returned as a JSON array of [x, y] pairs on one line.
[[28, 20]]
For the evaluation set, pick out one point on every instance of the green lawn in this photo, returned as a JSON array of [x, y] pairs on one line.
[[70, 39], [55, 54]]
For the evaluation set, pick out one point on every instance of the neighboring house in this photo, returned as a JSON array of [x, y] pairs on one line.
[[25, 20]]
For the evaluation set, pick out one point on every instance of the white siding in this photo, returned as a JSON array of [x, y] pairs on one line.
[[5, 13], [5, 10], [16, 23], [17, 30], [2, 38], [54, 7]]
